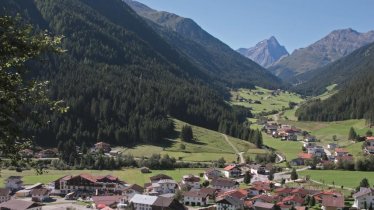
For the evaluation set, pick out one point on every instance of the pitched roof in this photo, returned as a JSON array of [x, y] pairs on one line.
[[159, 177], [234, 193], [293, 198], [305, 155], [208, 190], [163, 201], [230, 167], [263, 205], [363, 191], [135, 187], [4, 192], [229, 199], [341, 150], [332, 201], [195, 194], [266, 198], [285, 190], [143, 199], [191, 178], [106, 200], [42, 191], [370, 138], [223, 182], [18, 204]]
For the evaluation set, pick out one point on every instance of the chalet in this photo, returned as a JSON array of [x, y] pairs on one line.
[[195, 197], [89, 183], [4, 195], [364, 198], [263, 206], [17, 204], [39, 195], [132, 190], [318, 151], [14, 183], [229, 203], [310, 138], [163, 186], [232, 171], [158, 177], [47, 153], [224, 184], [109, 201], [339, 152], [102, 146], [191, 181], [333, 203], [143, 202], [332, 146], [370, 141], [211, 174], [167, 203], [293, 200]]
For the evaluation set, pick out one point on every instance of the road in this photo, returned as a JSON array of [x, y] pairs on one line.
[[330, 185], [286, 174], [234, 148]]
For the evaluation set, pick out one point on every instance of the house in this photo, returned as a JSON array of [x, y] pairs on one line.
[[143, 202], [270, 128], [39, 195], [109, 201], [4, 195], [47, 153], [370, 141], [258, 169], [211, 174], [240, 194], [232, 171], [344, 158], [283, 192], [22, 193], [145, 170], [229, 203], [293, 200], [211, 192], [17, 204], [310, 138], [339, 152], [224, 184], [265, 198], [332, 146], [102, 146], [302, 158], [263, 206], [191, 181], [89, 183], [195, 198], [167, 203], [259, 187], [333, 203], [14, 183], [300, 192], [318, 151], [309, 144], [369, 150], [158, 177], [163, 186], [132, 190], [364, 198], [34, 186]]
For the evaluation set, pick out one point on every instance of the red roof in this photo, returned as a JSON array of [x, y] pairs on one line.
[[266, 198], [370, 138], [305, 156], [239, 194], [341, 150], [332, 201], [229, 168], [293, 198]]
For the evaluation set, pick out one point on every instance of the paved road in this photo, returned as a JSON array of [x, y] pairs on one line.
[[234, 148]]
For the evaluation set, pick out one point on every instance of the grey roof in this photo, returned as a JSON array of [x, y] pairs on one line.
[[363, 191], [223, 182], [143, 199], [260, 204], [231, 200], [18, 205], [4, 192]]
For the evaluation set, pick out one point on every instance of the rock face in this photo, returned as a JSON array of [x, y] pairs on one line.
[[335, 45], [266, 52]]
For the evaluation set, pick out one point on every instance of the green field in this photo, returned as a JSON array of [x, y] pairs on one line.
[[208, 146], [289, 149], [346, 178], [268, 101], [132, 176]]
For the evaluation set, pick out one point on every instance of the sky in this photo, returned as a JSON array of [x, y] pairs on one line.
[[295, 23]]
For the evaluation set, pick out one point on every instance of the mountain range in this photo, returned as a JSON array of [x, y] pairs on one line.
[[207, 52], [335, 45], [266, 53]]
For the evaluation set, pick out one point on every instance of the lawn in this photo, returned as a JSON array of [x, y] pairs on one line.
[[290, 149], [133, 176], [208, 146], [355, 149], [346, 178], [268, 101]]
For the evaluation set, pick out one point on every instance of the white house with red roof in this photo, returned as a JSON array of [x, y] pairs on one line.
[[192, 181], [364, 198], [339, 152], [370, 141], [232, 171], [333, 203]]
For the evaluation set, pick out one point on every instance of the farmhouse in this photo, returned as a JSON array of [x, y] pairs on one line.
[[88, 182], [132, 190], [333, 203], [143, 202], [316, 150], [110, 201], [211, 174], [39, 195], [167, 203], [370, 141], [229, 203], [163, 186], [191, 181], [224, 184], [195, 197], [339, 152], [232, 171], [364, 198]]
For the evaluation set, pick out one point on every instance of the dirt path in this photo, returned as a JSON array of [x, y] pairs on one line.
[[234, 148]]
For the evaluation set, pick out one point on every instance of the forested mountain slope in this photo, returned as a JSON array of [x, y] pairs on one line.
[[120, 79], [210, 54], [354, 75]]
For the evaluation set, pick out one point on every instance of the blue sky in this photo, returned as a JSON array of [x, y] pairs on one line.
[[295, 23]]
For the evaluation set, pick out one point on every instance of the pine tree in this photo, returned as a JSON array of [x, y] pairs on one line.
[[294, 174], [247, 177], [364, 183], [369, 133], [186, 133], [352, 134]]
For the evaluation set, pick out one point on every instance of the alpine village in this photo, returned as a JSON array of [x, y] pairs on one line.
[[111, 104]]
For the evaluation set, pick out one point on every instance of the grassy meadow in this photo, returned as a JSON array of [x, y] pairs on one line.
[[208, 146]]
